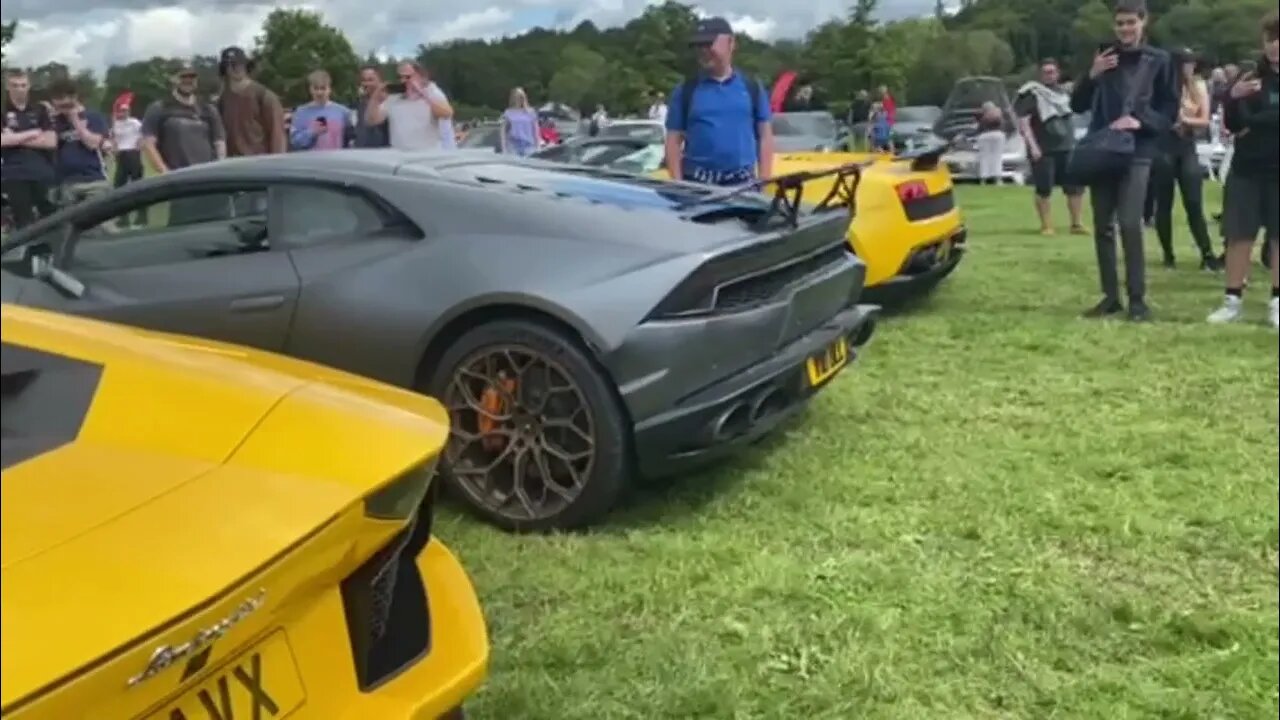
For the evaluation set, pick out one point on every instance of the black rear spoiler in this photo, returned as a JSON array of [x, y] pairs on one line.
[[924, 158], [789, 189]]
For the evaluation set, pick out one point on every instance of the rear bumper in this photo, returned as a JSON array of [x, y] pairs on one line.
[[740, 409], [930, 270]]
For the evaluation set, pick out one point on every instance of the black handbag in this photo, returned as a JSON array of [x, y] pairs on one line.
[[1107, 153]]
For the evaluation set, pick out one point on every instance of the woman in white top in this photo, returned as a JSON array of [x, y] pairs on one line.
[[1179, 164], [125, 140]]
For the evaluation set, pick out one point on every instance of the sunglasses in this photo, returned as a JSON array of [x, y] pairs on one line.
[[187, 76]]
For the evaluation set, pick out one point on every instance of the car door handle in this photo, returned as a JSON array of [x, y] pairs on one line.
[[257, 304]]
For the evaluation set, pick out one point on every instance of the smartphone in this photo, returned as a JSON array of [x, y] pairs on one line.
[[396, 88], [1108, 45]]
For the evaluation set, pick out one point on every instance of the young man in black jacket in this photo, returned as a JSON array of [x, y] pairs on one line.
[[1120, 199], [1251, 199]]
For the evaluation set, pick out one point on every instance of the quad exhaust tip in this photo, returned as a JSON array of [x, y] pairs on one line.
[[862, 334]]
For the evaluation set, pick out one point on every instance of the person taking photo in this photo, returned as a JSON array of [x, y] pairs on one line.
[[1178, 164], [1129, 88], [1251, 198], [412, 110]]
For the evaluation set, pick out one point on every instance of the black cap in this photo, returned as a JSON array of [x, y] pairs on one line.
[[232, 56], [708, 29]]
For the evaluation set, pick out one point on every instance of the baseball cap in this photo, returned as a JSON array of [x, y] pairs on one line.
[[708, 29], [233, 55]]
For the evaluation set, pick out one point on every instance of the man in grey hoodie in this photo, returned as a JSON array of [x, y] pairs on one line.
[[1119, 199]]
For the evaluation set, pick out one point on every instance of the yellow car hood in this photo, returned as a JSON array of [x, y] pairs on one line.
[[194, 464]]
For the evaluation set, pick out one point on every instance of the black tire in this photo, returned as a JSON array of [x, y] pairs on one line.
[[603, 480]]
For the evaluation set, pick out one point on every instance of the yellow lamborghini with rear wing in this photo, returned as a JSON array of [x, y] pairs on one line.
[[906, 225], [196, 531]]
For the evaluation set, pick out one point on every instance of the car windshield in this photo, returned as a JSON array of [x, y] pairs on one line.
[[804, 124], [641, 161], [918, 114]]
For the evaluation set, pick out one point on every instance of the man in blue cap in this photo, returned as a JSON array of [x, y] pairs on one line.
[[718, 129]]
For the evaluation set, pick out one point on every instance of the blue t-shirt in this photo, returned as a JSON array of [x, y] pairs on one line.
[[76, 161], [721, 133]]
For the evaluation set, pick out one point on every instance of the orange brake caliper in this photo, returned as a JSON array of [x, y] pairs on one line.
[[494, 402]]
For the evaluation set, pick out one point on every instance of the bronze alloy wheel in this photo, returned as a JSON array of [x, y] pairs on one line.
[[523, 439]]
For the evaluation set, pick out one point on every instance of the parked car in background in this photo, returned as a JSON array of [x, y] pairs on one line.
[[958, 125], [484, 136], [807, 132], [637, 129], [913, 127]]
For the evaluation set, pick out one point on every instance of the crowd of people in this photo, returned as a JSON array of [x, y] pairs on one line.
[[1160, 99], [719, 132], [54, 151]]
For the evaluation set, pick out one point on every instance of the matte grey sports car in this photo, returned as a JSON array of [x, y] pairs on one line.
[[582, 326]]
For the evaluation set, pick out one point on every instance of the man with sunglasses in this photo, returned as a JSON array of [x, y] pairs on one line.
[[182, 130], [718, 122], [413, 112], [80, 132]]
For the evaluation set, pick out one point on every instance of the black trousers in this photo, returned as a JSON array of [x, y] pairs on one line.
[[28, 199], [128, 169], [1181, 167], [1119, 201]]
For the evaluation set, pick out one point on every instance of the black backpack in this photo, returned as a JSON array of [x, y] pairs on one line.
[[754, 89]]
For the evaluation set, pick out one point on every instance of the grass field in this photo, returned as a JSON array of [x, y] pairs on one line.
[[1002, 511]]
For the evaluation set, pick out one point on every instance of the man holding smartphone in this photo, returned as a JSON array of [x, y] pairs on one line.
[[412, 109], [1125, 70], [1251, 199]]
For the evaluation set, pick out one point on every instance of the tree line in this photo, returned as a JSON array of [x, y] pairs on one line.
[[919, 58]]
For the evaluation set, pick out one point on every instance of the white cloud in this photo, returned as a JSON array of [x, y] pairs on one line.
[[97, 33]]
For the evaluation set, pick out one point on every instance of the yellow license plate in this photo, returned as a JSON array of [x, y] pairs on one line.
[[261, 683], [823, 366]]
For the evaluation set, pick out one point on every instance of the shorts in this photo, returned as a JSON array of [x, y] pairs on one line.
[[1051, 170], [73, 193], [722, 178], [1250, 204]]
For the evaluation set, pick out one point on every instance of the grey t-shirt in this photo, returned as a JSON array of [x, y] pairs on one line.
[[185, 134]]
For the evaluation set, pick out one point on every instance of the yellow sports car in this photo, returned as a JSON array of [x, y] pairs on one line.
[[907, 228], [194, 531]]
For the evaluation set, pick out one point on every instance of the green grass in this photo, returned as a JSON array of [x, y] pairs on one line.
[[1002, 511]]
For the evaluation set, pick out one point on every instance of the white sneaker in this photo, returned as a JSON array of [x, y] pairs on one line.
[[1273, 311], [1231, 311]]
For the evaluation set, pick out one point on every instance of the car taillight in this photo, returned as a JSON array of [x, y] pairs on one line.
[[914, 190]]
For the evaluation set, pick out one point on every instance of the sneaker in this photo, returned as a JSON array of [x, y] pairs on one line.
[[1273, 313], [1210, 263], [1105, 308], [1079, 230], [1170, 263], [1231, 311], [1138, 311]]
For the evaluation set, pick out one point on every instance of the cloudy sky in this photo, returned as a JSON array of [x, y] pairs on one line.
[[97, 33]]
